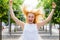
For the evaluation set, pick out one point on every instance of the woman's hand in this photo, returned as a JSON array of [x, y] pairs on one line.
[[53, 5]]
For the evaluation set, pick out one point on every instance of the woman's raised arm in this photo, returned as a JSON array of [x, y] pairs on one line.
[[17, 21], [49, 17]]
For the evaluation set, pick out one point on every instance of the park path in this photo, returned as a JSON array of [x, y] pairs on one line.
[[44, 35]]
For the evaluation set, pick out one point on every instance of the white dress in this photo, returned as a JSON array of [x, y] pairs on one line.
[[30, 32]]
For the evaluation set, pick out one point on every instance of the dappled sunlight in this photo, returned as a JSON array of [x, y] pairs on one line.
[[30, 3]]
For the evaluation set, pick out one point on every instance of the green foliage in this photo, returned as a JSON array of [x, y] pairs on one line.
[[48, 5], [4, 9], [56, 17], [17, 10]]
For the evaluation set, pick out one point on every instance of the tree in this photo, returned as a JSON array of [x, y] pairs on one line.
[[4, 9], [56, 17], [47, 5]]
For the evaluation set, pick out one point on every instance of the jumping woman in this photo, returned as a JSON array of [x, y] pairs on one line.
[[30, 28]]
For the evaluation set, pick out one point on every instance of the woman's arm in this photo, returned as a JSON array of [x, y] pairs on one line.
[[18, 22], [49, 17]]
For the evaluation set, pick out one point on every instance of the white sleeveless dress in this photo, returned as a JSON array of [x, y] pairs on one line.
[[30, 32]]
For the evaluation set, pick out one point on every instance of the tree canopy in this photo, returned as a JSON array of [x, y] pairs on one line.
[[48, 5], [4, 9]]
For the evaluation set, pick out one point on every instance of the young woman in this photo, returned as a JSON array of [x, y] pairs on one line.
[[30, 28]]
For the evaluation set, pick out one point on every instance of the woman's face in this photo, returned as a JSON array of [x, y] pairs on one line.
[[30, 18]]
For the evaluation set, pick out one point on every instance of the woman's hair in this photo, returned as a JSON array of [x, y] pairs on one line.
[[36, 13]]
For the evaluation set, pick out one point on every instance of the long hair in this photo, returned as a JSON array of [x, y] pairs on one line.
[[36, 13]]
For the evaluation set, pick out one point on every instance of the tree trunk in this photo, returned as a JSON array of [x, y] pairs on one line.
[[50, 29], [59, 29], [43, 28], [0, 30], [9, 23]]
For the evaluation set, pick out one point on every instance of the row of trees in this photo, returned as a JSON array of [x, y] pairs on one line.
[[48, 5], [4, 9]]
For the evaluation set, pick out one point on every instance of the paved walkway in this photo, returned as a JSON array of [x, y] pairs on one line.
[[44, 35]]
